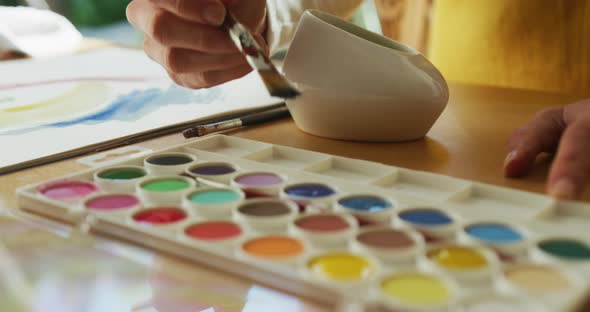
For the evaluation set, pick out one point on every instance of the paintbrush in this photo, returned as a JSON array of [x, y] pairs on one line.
[[251, 119], [7, 55], [276, 84]]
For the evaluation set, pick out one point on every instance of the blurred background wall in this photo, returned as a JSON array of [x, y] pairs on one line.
[[103, 19], [403, 20], [407, 21], [81, 12]]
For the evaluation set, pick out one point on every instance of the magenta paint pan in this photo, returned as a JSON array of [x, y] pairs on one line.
[[112, 202], [68, 190]]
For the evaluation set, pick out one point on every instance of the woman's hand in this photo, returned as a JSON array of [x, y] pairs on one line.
[[564, 130], [187, 39]]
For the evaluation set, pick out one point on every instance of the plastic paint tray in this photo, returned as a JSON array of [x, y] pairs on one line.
[[335, 229]]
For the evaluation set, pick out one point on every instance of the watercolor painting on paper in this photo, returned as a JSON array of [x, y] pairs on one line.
[[51, 106]]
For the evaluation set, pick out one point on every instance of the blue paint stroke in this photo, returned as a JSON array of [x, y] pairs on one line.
[[134, 105]]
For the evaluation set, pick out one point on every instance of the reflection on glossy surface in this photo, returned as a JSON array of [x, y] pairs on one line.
[[181, 287], [44, 271], [265, 300]]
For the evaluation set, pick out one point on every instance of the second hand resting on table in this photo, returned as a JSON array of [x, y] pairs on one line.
[[564, 131], [187, 39]]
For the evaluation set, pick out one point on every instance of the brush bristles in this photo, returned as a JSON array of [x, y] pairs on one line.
[[196, 132], [277, 85], [190, 133], [216, 127], [12, 55]]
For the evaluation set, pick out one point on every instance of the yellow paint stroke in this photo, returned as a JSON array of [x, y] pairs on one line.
[[85, 98]]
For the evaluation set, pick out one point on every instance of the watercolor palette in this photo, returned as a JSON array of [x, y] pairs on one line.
[[334, 229]]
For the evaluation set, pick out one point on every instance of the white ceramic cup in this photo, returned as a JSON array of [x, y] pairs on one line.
[[358, 85]]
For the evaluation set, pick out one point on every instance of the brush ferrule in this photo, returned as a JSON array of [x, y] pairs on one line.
[[276, 84], [220, 126]]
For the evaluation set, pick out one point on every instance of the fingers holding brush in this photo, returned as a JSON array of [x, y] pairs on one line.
[[182, 61], [251, 13], [187, 38], [170, 30], [210, 78], [210, 12]]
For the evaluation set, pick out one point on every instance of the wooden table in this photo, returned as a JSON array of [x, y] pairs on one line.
[[468, 141]]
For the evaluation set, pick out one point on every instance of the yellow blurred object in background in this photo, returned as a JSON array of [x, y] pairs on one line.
[[532, 44], [524, 44]]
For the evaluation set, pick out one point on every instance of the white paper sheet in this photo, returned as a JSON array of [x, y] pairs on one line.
[[56, 105]]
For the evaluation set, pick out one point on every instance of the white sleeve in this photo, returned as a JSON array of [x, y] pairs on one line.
[[283, 16]]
